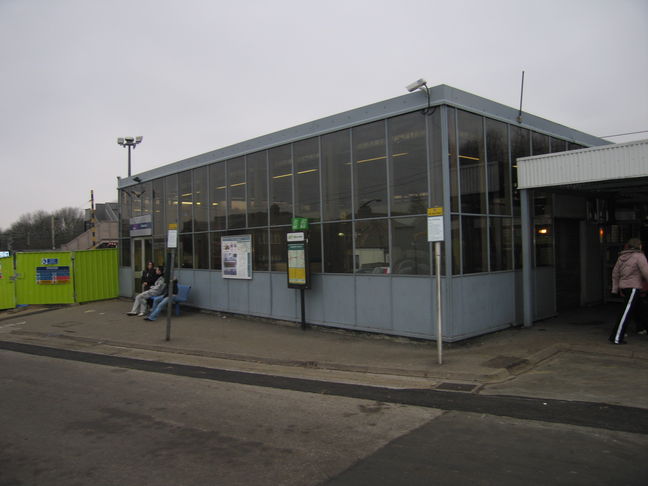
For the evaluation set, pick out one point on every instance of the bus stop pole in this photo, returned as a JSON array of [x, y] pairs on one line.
[[439, 321], [170, 297]]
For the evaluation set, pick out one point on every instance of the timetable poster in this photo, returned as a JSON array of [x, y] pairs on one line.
[[236, 252]]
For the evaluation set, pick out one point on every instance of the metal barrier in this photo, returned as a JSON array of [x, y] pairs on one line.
[[58, 277]]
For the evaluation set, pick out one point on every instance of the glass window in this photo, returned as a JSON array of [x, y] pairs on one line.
[[499, 176], [574, 146], [408, 164], [136, 200], [454, 164], [147, 197], [186, 202], [558, 145], [372, 246], [185, 251], [410, 248], [260, 250], [336, 176], [125, 252], [543, 225], [474, 234], [370, 170], [171, 193], [471, 163], [539, 143], [280, 160], [201, 250], [236, 193], [338, 247], [517, 243], [159, 251], [158, 207], [307, 179], [456, 244], [501, 244], [257, 189], [520, 147], [217, 196], [215, 249], [124, 214], [436, 159], [200, 198], [278, 253], [315, 247]]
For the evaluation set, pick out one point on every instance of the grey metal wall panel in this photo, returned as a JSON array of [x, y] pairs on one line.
[[373, 302], [218, 292], [482, 303], [200, 288], [315, 300], [259, 295], [238, 292], [126, 282], [339, 300], [284, 300], [413, 306], [545, 292]]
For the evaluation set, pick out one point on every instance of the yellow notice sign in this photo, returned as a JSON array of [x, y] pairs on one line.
[[435, 211], [174, 226]]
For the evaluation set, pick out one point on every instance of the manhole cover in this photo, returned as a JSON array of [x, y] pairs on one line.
[[464, 387]]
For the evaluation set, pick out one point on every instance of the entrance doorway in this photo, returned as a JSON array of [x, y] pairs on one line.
[[142, 252], [568, 264]]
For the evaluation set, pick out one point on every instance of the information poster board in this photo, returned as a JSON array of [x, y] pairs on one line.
[[52, 275], [298, 267], [236, 254]]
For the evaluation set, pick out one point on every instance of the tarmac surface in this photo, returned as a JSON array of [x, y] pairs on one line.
[[564, 358]]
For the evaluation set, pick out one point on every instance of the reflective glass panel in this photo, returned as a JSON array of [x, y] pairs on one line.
[[147, 198], [257, 189], [307, 179], [186, 202], [454, 162], [456, 244], [200, 198], [499, 175], [336, 176], [125, 252], [278, 252], [280, 160], [372, 247], [215, 249], [408, 164], [315, 247], [539, 143], [201, 250], [260, 250], [410, 248], [136, 200], [370, 170], [185, 251], [124, 214], [472, 173], [171, 194], [158, 251], [501, 244], [474, 234], [217, 196], [436, 159], [338, 247], [236, 193], [558, 145], [158, 207]]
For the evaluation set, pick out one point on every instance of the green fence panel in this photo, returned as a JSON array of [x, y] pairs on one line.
[[44, 278], [96, 274], [7, 285]]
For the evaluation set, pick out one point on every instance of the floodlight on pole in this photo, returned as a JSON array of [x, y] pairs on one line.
[[130, 142], [422, 85]]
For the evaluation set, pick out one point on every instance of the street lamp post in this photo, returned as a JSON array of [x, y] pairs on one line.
[[130, 142]]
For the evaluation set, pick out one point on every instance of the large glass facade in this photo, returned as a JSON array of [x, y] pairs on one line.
[[365, 191]]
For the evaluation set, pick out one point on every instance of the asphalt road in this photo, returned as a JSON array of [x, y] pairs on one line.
[[72, 421]]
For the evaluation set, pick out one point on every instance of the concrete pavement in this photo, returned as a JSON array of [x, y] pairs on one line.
[[567, 357]]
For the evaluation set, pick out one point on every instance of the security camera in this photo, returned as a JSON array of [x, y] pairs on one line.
[[120, 140], [416, 85]]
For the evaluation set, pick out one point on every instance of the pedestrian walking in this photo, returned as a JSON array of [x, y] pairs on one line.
[[628, 276], [139, 306]]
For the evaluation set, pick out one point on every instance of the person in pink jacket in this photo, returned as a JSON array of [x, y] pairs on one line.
[[628, 276]]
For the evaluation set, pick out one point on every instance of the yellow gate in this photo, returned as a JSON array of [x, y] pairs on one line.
[[7, 285]]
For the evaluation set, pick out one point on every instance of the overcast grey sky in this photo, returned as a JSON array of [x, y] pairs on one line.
[[192, 76]]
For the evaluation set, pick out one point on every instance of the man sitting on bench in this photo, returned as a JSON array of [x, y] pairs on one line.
[[163, 303]]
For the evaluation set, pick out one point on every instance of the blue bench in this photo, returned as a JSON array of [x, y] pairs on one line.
[[183, 295]]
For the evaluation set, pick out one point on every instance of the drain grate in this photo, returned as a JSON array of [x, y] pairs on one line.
[[463, 387]]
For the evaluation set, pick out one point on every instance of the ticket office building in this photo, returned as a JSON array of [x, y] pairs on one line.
[[364, 179]]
